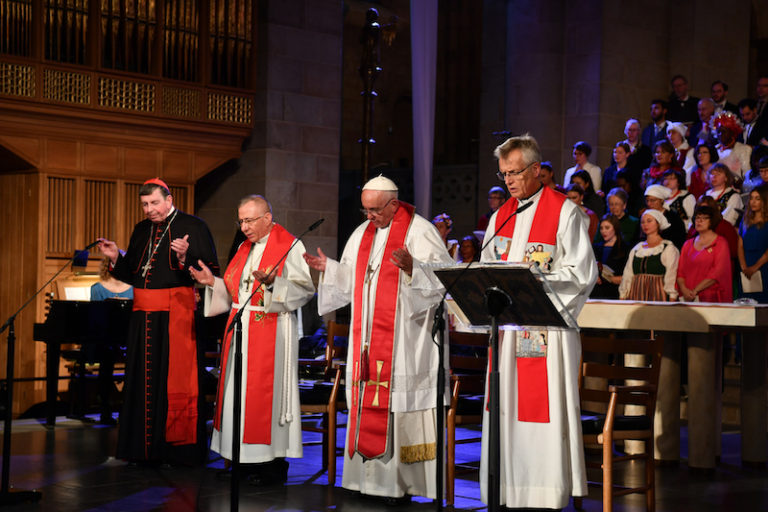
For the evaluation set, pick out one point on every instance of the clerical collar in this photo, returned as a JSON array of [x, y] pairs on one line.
[[532, 196], [263, 239], [169, 216]]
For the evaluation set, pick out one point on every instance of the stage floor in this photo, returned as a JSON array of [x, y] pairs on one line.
[[71, 465]]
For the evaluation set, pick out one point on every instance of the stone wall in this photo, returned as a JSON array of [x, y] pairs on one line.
[[292, 157]]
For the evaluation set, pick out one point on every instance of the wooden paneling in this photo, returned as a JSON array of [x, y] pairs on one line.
[[101, 159], [61, 216], [19, 259], [100, 211], [62, 154], [141, 162]]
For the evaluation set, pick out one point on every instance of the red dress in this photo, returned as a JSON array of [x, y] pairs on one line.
[[712, 262]]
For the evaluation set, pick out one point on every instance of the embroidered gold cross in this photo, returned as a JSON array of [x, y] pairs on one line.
[[378, 383]]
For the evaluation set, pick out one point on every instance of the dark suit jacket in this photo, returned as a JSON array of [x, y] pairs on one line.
[[648, 138], [759, 131], [683, 111]]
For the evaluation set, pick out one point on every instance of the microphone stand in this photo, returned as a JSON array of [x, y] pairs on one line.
[[7, 496], [236, 327], [438, 328]]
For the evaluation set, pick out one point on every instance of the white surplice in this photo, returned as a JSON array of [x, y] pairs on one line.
[[413, 393], [290, 291], [542, 464]]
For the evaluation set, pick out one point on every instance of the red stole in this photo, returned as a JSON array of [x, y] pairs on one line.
[[181, 387], [372, 365], [532, 387], [262, 327]]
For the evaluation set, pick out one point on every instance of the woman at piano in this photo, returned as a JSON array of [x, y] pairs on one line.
[[108, 287], [651, 268], [704, 273]]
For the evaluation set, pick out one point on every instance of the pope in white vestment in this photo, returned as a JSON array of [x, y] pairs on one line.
[[542, 459], [269, 429], [393, 453]]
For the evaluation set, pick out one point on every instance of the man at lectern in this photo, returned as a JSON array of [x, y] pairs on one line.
[[542, 460]]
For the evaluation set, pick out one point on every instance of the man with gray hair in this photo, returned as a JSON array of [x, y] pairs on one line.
[[271, 423], [391, 359], [541, 446], [700, 132]]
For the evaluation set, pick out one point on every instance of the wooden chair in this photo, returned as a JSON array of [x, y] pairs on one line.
[[604, 358], [322, 395], [468, 360]]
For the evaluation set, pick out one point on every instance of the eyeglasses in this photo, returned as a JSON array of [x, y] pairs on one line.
[[247, 222], [513, 174], [374, 211]]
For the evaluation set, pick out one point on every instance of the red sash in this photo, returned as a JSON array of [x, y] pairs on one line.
[[532, 387], [262, 327], [372, 368], [181, 387]]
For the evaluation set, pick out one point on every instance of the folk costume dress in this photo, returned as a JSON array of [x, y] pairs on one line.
[[391, 361], [270, 423], [161, 419], [542, 458]]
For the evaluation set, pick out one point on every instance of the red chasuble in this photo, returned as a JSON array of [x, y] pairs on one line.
[[368, 420], [532, 387], [262, 328]]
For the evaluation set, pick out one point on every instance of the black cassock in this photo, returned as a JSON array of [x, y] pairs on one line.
[[142, 433]]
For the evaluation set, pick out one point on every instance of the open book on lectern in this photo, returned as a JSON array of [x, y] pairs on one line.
[[534, 303]]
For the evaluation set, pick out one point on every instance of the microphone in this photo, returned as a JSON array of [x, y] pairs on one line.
[[240, 311], [91, 245], [439, 310]]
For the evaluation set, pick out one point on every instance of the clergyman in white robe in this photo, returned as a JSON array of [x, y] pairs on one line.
[[413, 393], [290, 291], [542, 463]]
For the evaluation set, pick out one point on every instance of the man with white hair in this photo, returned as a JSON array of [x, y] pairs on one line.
[[392, 360], [640, 154], [541, 452]]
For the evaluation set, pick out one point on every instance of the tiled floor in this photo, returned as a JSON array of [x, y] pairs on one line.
[[70, 465]]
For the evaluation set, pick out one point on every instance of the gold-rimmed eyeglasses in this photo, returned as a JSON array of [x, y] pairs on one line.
[[513, 174], [375, 211], [247, 222]]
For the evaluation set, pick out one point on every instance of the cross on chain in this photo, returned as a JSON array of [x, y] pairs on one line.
[[249, 282], [378, 383]]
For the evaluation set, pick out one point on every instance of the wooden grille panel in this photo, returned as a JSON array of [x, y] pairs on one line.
[[126, 95], [61, 215], [66, 86], [230, 108], [17, 80], [99, 210], [181, 102], [66, 30], [16, 27]]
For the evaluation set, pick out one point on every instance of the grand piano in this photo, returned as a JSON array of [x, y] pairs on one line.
[[79, 322]]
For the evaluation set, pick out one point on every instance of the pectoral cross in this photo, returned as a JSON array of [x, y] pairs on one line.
[[378, 383], [248, 282], [146, 268]]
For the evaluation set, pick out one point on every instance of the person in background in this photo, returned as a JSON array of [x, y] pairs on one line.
[[621, 154], [733, 154], [639, 152], [575, 193], [592, 199], [581, 152], [682, 106], [611, 253], [705, 155], [107, 287], [753, 242], [719, 94], [721, 190], [704, 271], [657, 130], [469, 250], [547, 177], [617, 207], [655, 195], [664, 159], [444, 225], [683, 154], [496, 198], [757, 176], [680, 201], [651, 268], [635, 197]]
